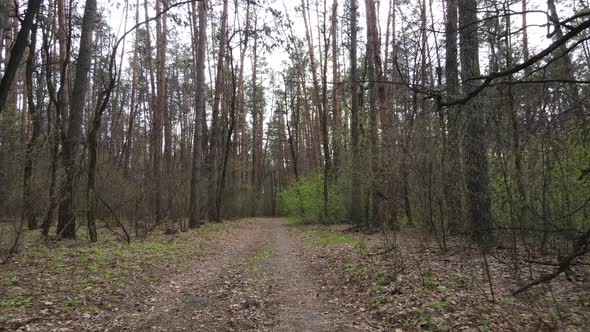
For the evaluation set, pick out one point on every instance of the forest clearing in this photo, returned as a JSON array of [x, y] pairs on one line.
[[274, 165]]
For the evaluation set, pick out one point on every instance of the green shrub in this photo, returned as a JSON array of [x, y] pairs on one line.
[[303, 201], [551, 169]]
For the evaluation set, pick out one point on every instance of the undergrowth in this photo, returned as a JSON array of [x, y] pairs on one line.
[[95, 273], [303, 201]]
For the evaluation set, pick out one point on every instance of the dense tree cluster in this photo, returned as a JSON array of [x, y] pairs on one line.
[[459, 118]]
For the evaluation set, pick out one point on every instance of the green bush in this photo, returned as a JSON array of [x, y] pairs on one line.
[[551, 169], [303, 201]]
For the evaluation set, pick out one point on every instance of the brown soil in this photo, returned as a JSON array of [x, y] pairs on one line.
[[257, 281], [262, 275]]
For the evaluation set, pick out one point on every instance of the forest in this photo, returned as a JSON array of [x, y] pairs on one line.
[[305, 165]]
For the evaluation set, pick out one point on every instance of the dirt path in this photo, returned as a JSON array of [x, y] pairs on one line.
[[257, 281], [260, 275], [301, 309]]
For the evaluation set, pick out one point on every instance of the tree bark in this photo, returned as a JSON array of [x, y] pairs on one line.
[[565, 68], [160, 108], [376, 104], [66, 226], [256, 127], [155, 137], [128, 144], [53, 116], [231, 121], [195, 193], [525, 38], [324, 115], [474, 142], [336, 112], [215, 123], [28, 208], [18, 50], [452, 186], [3, 20], [355, 212]]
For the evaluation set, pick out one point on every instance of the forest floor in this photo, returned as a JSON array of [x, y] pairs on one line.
[[267, 275]]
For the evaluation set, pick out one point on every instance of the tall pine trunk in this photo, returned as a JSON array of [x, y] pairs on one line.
[[214, 176], [474, 140], [28, 209], [66, 226], [336, 113], [452, 187], [195, 193], [355, 212], [376, 105]]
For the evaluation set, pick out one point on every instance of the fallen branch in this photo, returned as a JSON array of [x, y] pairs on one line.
[[580, 249], [127, 236], [379, 253], [14, 248]]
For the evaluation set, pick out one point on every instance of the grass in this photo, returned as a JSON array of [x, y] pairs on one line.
[[95, 272], [376, 302], [92, 309], [248, 325], [156, 248], [383, 279], [431, 315], [438, 305], [11, 304], [315, 235], [71, 303], [10, 281], [326, 238], [260, 256], [16, 302], [295, 221], [356, 269], [59, 267]]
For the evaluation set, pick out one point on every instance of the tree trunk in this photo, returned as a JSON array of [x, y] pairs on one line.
[[160, 109], [128, 144], [53, 115], [391, 170], [356, 212], [565, 68], [525, 38], [66, 226], [452, 186], [156, 131], [195, 193], [316, 86], [3, 20], [336, 112], [376, 103], [18, 50], [28, 207], [256, 126], [215, 123], [474, 144], [240, 118], [324, 115], [228, 141]]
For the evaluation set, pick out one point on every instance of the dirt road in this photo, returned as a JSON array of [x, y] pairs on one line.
[[257, 281], [261, 275]]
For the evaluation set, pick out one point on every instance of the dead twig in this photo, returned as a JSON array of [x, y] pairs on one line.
[[379, 253], [580, 248], [127, 236]]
